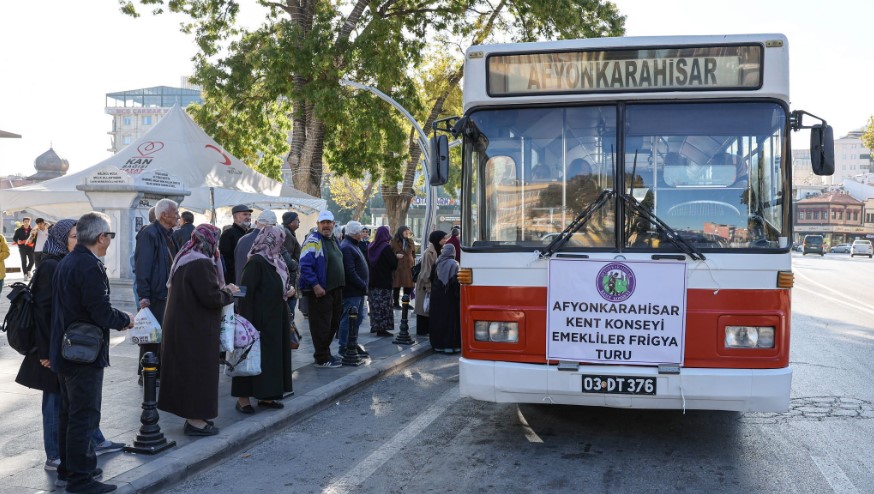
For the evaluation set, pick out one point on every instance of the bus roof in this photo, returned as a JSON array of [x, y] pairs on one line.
[[639, 68]]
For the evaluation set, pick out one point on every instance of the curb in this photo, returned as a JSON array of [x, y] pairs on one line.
[[178, 464]]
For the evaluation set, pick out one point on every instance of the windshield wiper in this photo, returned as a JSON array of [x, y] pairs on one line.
[[578, 222], [670, 233]]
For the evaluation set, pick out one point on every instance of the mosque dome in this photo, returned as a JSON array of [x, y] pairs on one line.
[[49, 165]]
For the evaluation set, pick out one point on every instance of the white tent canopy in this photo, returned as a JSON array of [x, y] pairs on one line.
[[178, 146]]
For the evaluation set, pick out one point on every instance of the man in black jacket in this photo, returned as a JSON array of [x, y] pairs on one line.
[[183, 234], [81, 293], [153, 258], [357, 276], [231, 235], [21, 238]]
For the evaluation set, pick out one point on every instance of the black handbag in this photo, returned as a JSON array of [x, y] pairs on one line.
[[82, 343]]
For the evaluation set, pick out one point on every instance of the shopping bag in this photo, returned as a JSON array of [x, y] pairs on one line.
[[426, 303], [228, 326], [146, 328], [295, 337], [244, 361]]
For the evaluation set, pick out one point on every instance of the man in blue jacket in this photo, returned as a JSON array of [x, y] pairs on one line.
[[153, 258], [81, 293], [357, 274], [321, 281]]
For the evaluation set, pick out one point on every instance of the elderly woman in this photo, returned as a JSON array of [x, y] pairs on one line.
[[265, 305], [383, 263], [405, 251], [445, 324], [423, 282], [190, 340]]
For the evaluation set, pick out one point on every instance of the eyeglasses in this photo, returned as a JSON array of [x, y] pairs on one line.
[[110, 234]]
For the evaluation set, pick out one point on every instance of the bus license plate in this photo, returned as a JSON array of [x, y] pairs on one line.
[[619, 385]]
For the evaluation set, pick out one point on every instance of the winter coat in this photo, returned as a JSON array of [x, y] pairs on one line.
[[183, 235], [227, 243], [190, 342], [153, 257], [381, 272], [355, 268], [403, 275], [4, 253], [32, 373], [423, 282]]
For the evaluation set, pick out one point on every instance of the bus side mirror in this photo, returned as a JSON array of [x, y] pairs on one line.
[[438, 172], [822, 150]]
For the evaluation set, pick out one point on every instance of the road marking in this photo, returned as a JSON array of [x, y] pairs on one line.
[[368, 466], [833, 474], [854, 305], [530, 435]]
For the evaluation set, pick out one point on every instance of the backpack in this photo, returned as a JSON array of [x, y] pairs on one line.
[[20, 321]]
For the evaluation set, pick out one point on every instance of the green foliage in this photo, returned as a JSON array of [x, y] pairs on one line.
[[868, 136]]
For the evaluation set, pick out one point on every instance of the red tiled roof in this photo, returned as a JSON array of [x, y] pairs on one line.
[[833, 198]]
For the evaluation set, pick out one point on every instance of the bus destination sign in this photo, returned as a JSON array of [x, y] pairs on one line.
[[637, 70]]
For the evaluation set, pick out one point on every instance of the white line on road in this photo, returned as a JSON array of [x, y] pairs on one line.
[[863, 307], [833, 474], [363, 470]]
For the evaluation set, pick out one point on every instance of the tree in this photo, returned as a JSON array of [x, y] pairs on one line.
[[290, 67], [868, 142], [351, 193]]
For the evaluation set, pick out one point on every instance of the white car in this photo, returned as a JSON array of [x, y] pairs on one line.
[[862, 248]]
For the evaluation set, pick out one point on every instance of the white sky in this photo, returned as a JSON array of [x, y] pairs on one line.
[[58, 59]]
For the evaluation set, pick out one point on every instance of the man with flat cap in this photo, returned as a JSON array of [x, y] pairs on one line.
[[244, 245], [231, 235]]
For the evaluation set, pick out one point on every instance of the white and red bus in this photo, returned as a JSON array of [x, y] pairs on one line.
[[626, 221]]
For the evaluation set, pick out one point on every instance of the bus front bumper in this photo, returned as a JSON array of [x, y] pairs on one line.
[[742, 390]]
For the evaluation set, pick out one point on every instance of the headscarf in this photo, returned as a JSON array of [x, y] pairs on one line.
[[379, 244], [268, 244], [203, 245], [435, 239], [56, 243], [447, 266]]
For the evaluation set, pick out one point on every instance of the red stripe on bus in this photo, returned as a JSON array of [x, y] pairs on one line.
[[707, 314]]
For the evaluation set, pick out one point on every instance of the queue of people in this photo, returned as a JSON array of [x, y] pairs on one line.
[[185, 275]]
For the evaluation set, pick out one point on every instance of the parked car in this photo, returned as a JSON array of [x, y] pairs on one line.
[[812, 244], [840, 249], [862, 248]]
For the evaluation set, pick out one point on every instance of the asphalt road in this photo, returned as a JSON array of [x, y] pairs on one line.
[[411, 433]]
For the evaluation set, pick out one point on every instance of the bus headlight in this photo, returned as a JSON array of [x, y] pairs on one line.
[[499, 332], [749, 337]]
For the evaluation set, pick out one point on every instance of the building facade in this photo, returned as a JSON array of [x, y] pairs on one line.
[[837, 216], [136, 111]]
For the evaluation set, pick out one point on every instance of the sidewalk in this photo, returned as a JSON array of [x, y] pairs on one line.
[[21, 447]]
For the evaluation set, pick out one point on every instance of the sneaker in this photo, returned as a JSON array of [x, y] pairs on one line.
[[62, 478], [107, 447], [52, 464], [330, 364]]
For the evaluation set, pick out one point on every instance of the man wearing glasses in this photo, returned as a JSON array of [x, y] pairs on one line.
[[153, 257], [81, 293]]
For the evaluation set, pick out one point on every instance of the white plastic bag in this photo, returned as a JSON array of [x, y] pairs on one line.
[[426, 303], [146, 328], [226, 333], [245, 361]]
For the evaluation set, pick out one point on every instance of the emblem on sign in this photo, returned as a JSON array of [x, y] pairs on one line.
[[615, 282]]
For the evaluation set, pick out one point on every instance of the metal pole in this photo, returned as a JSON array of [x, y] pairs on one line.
[[423, 145], [212, 205]]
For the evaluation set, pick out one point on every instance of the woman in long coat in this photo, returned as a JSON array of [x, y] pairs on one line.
[[402, 245], [265, 305], [423, 282], [383, 263], [190, 339], [445, 324]]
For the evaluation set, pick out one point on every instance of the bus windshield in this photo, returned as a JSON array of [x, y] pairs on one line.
[[711, 171]]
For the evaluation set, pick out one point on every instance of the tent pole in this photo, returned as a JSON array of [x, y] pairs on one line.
[[212, 205]]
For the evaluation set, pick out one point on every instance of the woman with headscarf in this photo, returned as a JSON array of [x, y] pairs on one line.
[[190, 339], [405, 251], [383, 263], [423, 282], [445, 324], [35, 371], [265, 305]]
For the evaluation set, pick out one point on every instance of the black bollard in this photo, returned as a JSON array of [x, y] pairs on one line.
[[350, 353], [150, 440], [403, 337]]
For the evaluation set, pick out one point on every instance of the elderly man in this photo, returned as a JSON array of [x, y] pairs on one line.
[[232, 234], [321, 280], [81, 293], [153, 258], [357, 275], [290, 223], [244, 245]]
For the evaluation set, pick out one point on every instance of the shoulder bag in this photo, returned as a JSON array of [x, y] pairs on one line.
[[82, 343]]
